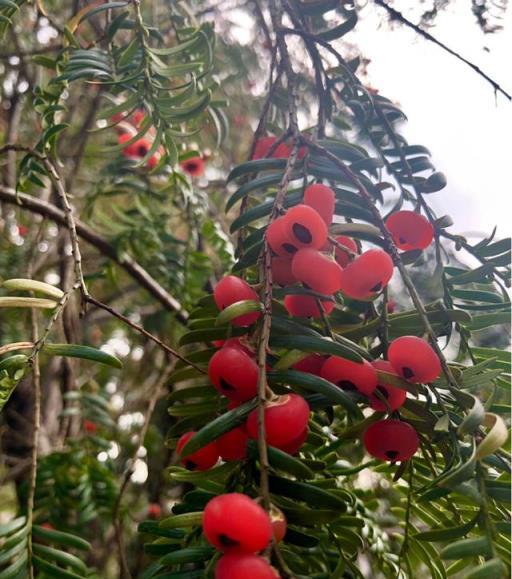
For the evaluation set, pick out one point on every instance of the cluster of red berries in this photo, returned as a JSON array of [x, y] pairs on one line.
[[299, 242], [281, 151], [239, 527], [128, 126], [411, 358]]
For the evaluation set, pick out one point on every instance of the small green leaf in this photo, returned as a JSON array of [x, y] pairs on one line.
[[237, 309], [181, 521], [282, 461], [496, 437], [188, 555], [491, 569], [83, 352], [448, 533], [33, 285], [466, 548], [61, 538]]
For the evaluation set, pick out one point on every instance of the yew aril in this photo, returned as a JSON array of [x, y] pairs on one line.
[[263, 146], [234, 373], [414, 359], [367, 275], [391, 440], [395, 397], [232, 289], [317, 271], [296, 444], [90, 427], [410, 230], [193, 166], [138, 149], [154, 511], [282, 273], [345, 257], [305, 227], [244, 566], [304, 306], [286, 418], [235, 523], [322, 199], [279, 239], [311, 364], [202, 459], [233, 444], [350, 375]]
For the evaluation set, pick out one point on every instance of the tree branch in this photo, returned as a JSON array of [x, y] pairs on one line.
[[396, 15], [132, 267]]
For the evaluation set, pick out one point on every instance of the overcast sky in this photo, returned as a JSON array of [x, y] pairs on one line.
[[451, 110]]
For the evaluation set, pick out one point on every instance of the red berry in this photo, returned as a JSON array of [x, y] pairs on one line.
[[193, 166], [305, 227], [391, 306], [321, 198], [317, 271], [306, 306], [391, 440], [244, 566], [282, 271], [154, 511], [137, 117], [263, 146], [282, 151], [22, 230], [234, 373], [279, 525], [90, 427], [344, 257], [232, 289], [233, 444], [311, 364], [296, 444], [202, 459], [410, 230], [350, 375], [138, 149], [414, 359], [233, 522], [394, 396], [367, 275], [285, 420], [279, 239]]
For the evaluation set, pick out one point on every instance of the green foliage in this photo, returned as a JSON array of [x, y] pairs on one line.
[[160, 73]]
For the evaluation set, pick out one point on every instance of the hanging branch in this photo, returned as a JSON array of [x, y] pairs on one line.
[[396, 15]]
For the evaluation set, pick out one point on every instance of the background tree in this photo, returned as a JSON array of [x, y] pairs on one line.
[[112, 112]]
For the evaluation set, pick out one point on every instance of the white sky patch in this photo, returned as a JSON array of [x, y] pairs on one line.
[[451, 110]]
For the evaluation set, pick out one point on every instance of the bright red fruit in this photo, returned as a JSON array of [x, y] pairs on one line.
[[90, 427], [305, 227], [286, 418], [263, 146], [233, 444], [321, 198], [306, 306], [311, 364], [282, 271], [317, 271], [232, 289], [394, 396], [138, 150], [202, 459], [414, 359], [244, 566], [193, 166], [367, 275], [233, 522], [391, 440], [234, 373], [391, 306], [350, 375], [154, 511], [344, 257], [279, 525], [296, 444], [278, 237], [410, 230]]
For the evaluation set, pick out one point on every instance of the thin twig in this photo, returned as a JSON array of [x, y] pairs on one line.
[[396, 15], [143, 331], [132, 267]]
